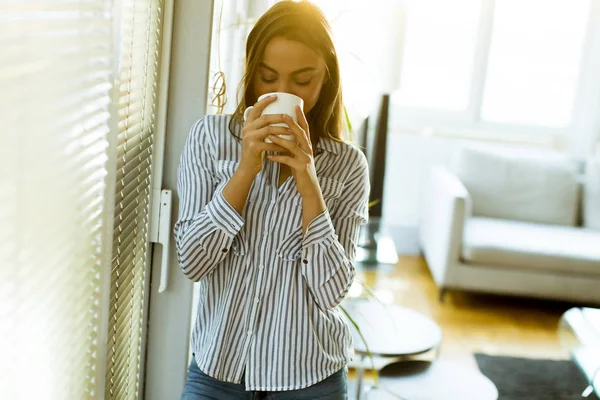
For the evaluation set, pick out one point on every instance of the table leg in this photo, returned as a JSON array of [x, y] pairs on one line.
[[359, 378]]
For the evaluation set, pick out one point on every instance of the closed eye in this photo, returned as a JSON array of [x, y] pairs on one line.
[[303, 83]]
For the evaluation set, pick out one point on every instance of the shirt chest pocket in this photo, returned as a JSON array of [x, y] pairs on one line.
[[290, 248], [332, 190]]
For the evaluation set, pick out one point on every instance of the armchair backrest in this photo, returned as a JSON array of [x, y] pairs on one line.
[[591, 195], [522, 185]]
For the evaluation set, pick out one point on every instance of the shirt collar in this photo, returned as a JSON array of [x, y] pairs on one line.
[[327, 145]]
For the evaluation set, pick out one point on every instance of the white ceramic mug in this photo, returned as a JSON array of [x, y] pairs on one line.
[[285, 104]]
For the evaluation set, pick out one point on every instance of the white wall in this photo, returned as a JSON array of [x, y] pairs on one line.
[[408, 159]]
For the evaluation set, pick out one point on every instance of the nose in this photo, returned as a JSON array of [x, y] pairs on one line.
[[285, 87]]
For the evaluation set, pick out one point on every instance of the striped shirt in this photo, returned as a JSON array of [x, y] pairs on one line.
[[268, 294]]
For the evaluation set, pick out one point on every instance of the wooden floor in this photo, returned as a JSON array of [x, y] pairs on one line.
[[471, 322]]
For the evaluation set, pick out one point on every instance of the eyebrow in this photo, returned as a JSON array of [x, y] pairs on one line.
[[305, 69]]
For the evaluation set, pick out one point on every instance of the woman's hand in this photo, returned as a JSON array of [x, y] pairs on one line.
[[256, 129], [300, 160]]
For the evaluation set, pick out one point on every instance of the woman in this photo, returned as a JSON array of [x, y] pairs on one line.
[[272, 241]]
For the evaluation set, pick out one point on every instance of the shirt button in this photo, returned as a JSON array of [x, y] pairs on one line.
[[257, 300], [266, 233], [249, 333], [305, 261], [224, 250], [261, 266], [273, 202]]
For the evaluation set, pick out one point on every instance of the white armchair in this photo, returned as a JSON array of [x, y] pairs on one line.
[[508, 223], [447, 204]]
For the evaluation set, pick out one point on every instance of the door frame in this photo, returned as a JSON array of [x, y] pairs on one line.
[[186, 56]]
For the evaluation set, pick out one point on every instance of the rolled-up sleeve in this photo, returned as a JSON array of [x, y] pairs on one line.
[[207, 223], [329, 243]]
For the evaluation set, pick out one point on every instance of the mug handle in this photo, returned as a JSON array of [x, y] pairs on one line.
[[247, 111]]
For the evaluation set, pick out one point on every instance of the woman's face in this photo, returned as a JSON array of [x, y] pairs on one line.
[[291, 67]]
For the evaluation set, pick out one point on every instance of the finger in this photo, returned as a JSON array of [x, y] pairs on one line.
[[292, 147], [299, 133], [262, 146], [259, 107], [303, 123], [302, 120], [262, 133], [287, 160], [265, 120]]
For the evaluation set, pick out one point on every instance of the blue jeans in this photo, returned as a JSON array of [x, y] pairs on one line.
[[199, 386]]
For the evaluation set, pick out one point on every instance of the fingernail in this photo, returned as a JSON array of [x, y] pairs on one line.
[[271, 137]]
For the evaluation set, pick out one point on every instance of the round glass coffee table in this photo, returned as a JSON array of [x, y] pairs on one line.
[[391, 333], [437, 380]]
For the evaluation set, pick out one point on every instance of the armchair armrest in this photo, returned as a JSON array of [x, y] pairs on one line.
[[446, 205]]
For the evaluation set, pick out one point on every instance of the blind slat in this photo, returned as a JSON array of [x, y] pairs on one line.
[[138, 80], [137, 174], [135, 140]]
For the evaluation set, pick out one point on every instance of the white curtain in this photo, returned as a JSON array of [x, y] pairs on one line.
[[232, 22]]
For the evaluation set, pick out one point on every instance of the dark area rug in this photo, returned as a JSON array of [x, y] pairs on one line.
[[530, 379]]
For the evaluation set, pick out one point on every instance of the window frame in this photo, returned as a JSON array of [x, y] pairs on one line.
[[468, 123]]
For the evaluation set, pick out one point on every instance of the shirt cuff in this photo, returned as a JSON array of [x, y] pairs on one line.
[[319, 229], [322, 263], [223, 215]]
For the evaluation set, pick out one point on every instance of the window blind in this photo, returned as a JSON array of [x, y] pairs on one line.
[[138, 80], [55, 88]]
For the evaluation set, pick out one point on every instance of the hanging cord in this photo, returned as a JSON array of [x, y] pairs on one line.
[[219, 91], [219, 87]]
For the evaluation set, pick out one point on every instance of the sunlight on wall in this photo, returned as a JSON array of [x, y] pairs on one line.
[[368, 41]]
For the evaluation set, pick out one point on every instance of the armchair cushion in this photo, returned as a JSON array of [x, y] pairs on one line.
[[519, 185], [528, 245]]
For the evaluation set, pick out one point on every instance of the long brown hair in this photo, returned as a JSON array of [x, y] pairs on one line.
[[303, 22]]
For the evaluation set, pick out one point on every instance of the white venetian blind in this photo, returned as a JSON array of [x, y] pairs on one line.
[[138, 80], [55, 82]]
